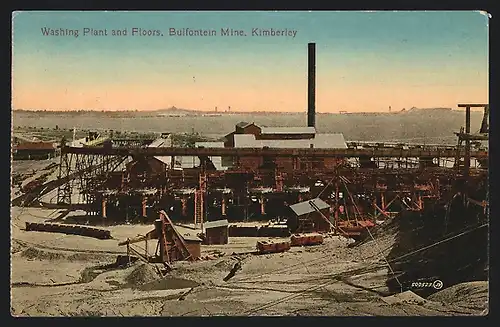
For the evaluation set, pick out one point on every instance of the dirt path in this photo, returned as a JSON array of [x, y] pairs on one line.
[[79, 276]]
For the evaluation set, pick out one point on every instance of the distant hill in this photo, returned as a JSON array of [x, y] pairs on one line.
[[429, 109], [174, 111], [177, 111]]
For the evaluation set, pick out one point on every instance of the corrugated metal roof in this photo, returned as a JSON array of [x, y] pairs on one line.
[[305, 207], [158, 143], [320, 141], [330, 140], [187, 234], [164, 159], [216, 223], [162, 143], [287, 130]]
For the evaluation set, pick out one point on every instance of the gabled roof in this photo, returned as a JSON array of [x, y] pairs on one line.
[[243, 124], [305, 207], [228, 136]]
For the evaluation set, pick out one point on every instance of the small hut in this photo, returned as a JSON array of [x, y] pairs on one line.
[[216, 232], [308, 216]]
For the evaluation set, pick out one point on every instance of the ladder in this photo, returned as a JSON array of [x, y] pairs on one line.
[[199, 201], [198, 207]]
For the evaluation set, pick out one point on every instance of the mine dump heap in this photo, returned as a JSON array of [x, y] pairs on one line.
[[258, 172]]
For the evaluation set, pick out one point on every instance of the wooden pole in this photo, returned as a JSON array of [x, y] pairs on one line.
[[262, 205], [128, 250], [223, 206], [467, 144], [144, 203], [336, 216]]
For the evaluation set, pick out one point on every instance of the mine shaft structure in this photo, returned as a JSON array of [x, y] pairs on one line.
[[468, 186], [91, 173], [365, 182], [134, 179]]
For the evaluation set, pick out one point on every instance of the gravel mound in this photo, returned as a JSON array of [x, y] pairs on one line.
[[88, 257], [385, 236], [433, 244], [142, 274], [469, 294], [33, 253], [15, 247], [405, 297]]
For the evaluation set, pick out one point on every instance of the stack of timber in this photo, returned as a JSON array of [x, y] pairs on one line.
[[69, 229]]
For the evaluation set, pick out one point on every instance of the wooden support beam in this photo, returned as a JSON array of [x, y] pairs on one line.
[[433, 152], [381, 211], [467, 144], [471, 105]]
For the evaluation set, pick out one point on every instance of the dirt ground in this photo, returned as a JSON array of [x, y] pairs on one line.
[[66, 275]]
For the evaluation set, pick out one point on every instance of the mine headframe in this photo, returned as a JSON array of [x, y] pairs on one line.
[[172, 246], [468, 137], [484, 124]]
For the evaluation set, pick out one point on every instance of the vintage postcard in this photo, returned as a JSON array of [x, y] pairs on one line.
[[249, 163]]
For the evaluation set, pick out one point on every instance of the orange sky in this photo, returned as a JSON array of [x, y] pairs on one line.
[[365, 61]]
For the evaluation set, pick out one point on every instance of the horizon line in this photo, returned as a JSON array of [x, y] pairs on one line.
[[173, 108]]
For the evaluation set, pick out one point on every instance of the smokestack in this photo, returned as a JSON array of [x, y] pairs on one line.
[[311, 85]]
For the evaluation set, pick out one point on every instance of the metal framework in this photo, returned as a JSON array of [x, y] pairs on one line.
[[377, 176], [384, 152]]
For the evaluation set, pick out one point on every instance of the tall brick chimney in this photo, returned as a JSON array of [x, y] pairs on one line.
[[311, 85]]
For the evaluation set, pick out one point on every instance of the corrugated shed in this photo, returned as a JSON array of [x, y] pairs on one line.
[[303, 208], [320, 141], [288, 130]]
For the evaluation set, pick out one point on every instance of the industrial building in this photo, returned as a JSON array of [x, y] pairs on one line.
[[311, 215], [259, 172], [37, 150], [216, 232]]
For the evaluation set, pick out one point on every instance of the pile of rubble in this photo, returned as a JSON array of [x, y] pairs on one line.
[[441, 243]]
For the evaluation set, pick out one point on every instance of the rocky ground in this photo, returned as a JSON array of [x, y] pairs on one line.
[[67, 275]]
